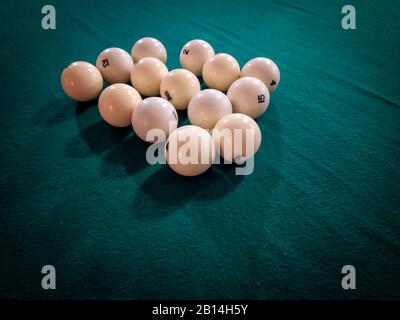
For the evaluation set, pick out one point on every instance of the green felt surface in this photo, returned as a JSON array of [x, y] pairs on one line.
[[79, 195]]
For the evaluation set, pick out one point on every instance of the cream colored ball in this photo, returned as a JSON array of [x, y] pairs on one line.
[[81, 81], [190, 150], [147, 75], [115, 65], [220, 71], [249, 96], [207, 107], [263, 69], [194, 54], [151, 114], [149, 47], [178, 87], [237, 137], [117, 103]]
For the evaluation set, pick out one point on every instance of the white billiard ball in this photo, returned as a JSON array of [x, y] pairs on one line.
[[207, 107], [154, 113], [81, 81], [115, 65], [147, 74], [263, 69], [190, 150], [149, 47], [178, 87], [117, 103], [237, 137], [220, 71], [194, 54], [250, 96]]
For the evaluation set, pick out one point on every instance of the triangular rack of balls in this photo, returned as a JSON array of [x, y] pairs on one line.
[[121, 105]]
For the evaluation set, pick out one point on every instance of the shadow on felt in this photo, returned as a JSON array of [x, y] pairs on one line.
[[165, 191], [54, 113], [115, 145], [125, 158], [96, 133], [252, 204]]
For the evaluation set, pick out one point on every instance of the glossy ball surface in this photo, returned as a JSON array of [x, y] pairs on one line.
[[249, 96], [147, 75], [81, 81], [207, 107], [178, 87], [263, 69], [190, 150], [149, 47], [115, 65], [237, 137], [220, 71], [117, 103], [154, 113], [194, 54]]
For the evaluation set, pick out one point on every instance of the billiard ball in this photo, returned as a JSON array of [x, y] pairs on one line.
[[207, 107], [220, 71], [147, 74], [81, 81], [117, 103], [237, 137], [190, 150], [115, 65], [194, 54], [263, 69], [154, 113], [250, 96], [178, 87], [149, 47]]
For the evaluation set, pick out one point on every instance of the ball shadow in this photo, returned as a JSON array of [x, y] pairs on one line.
[[255, 203], [203, 85], [130, 153], [54, 113], [183, 119], [96, 133], [84, 106], [165, 191]]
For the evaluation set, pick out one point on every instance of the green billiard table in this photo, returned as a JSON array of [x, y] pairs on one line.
[[79, 195]]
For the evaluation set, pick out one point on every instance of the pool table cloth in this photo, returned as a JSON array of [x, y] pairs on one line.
[[79, 195]]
